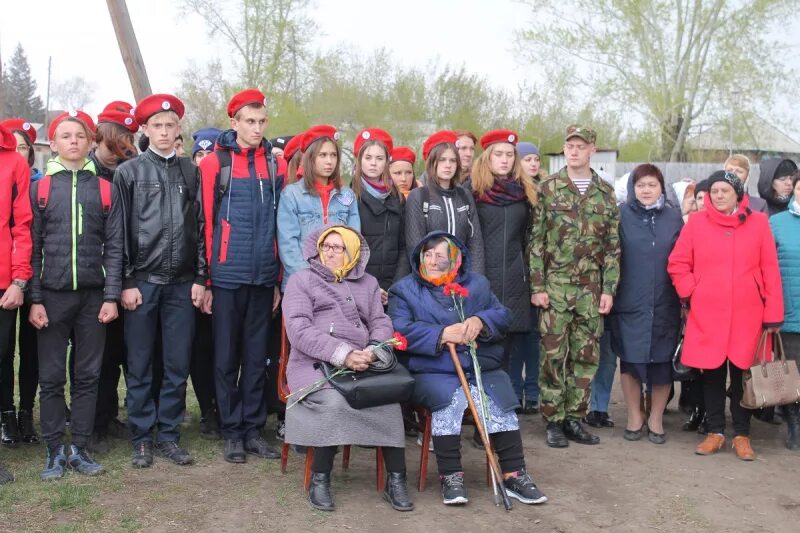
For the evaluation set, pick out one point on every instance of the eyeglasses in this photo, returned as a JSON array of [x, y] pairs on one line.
[[335, 248]]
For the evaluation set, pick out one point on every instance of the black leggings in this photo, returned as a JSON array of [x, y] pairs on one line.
[[714, 382], [393, 458], [507, 445], [28, 376]]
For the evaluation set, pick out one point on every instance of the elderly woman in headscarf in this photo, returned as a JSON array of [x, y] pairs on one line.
[[333, 314], [430, 320]]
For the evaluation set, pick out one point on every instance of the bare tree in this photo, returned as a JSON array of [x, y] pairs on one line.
[[73, 93]]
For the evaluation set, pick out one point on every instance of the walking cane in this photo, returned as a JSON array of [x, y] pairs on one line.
[[480, 423]]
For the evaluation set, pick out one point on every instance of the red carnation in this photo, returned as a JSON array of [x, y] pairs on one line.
[[455, 289], [400, 342]]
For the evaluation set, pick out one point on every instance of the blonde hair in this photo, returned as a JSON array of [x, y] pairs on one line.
[[483, 178], [740, 160]]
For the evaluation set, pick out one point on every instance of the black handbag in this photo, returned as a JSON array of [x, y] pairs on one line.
[[372, 387], [681, 372]]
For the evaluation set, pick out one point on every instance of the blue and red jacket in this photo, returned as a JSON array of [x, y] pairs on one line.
[[241, 241]]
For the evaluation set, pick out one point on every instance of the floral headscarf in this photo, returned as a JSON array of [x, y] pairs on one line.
[[454, 254]]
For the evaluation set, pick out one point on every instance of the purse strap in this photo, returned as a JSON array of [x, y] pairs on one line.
[[761, 351], [777, 347]]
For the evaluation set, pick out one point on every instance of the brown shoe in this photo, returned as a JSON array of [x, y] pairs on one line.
[[711, 445], [741, 444]]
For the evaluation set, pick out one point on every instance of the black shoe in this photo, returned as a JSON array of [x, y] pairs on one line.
[[635, 435], [170, 450], [142, 454], [259, 447], [657, 438], [396, 492], [476, 440], [555, 435], [98, 442], [209, 427], [117, 429], [319, 493], [520, 486], [9, 432], [793, 426], [5, 475], [598, 419], [234, 451], [695, 419], [530, 407], [27, 431], [574, 431], [453, 490]]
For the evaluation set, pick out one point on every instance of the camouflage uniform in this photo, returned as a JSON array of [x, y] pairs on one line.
[[574, 257]]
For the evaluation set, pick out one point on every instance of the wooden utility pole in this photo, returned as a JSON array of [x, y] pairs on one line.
[[129, 48]]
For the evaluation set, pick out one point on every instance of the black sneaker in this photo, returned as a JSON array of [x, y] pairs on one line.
[[259, 447], [82, 462], [520, 486], [453, 490], [142, 454], [234, 451], [170, 450]]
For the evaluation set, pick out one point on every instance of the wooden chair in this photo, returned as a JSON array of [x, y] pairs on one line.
[[425, 418], [283, 394]]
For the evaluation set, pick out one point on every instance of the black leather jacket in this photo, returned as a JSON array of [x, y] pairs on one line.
[[162, 220]]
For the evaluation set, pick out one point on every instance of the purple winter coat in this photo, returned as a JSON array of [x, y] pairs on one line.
[[326, 320]]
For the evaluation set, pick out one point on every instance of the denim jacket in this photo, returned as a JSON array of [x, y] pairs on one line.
[[300, 212]]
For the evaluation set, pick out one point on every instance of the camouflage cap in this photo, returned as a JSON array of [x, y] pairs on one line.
[[576, 130]]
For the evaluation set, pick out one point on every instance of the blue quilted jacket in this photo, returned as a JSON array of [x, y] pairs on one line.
[[786, 229]]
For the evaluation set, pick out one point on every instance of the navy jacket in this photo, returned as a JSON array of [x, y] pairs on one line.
[[421, 311], [645, 319]]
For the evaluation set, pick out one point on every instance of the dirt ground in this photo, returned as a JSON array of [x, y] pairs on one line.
[[615, 486]]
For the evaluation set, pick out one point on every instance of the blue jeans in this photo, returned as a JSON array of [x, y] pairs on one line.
[[604, 378], [172, 305], [523, 353]]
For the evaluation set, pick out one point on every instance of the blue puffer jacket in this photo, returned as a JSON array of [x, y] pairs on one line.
[[243, 241], [421, 311], [786, 229]]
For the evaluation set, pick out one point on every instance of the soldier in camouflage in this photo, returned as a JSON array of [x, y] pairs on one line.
[[574, 267]]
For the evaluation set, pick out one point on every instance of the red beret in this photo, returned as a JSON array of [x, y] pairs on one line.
[[403, 153], [499, 136], [22, 125], [372, 134], [440, 137], [315, 133], [119, 105], [80, 115], [293, 146], [243, 98], [157, 103]]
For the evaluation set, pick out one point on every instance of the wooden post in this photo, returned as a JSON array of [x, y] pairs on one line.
[[129, 48]]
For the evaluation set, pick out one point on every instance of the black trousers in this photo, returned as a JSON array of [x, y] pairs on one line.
[[714, 394], [507, 445], [393, 458], [202, 365], [241, 322], [28, 372], [114, 361], [170, 304], [68, 310], [7, 321]]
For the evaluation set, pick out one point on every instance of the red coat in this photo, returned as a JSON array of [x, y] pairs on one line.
[[15, 205], [727, 265]]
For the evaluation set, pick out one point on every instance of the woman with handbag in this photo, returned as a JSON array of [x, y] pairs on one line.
[[725, 267], [333, 315], [786, 229], [645, 321], [431, 319]]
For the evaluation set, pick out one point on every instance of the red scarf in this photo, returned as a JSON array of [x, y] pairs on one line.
[[324, 192]]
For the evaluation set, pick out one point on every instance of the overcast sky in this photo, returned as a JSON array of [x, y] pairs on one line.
[[79, 37]]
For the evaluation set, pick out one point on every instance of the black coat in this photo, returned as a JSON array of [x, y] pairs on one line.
[[162, 219], [645, 318], [505, 231], [382, 227], [76, 245]]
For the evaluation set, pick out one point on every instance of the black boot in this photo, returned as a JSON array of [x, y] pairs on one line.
[[396, 492], [9, 432], [574, 431], [695, 419], [319, 493], [792, 426], [26, 430], [555, 435]]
